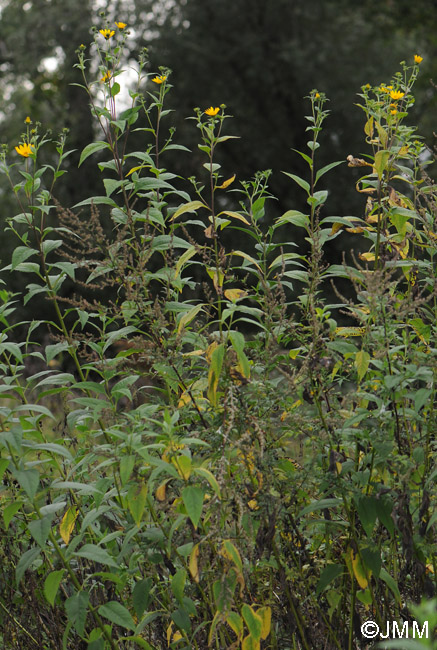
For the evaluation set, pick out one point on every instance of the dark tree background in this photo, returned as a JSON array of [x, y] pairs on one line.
[[259, 58]]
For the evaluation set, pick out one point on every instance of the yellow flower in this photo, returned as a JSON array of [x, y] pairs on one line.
[[121, 25], [28, 120], [383, 89], [317, 96], [393, 111], [212, 111], [24, 149], [107, 33], [160, 79], [396, 94], [367, 86], [106, 76], [418, 58]]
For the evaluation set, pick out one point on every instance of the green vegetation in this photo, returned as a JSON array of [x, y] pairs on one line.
[[211, 457]]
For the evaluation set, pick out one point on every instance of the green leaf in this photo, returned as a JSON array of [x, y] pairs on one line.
[[391, 584], [372, 560], [10, 511], [192, 497], [178, 584], [384, 508], [21, 254], [96, 554], [115, 89], [92, 148], [4, 462], [328, 574], [25, 561], [366, 508], [51, 585], [118, 614], [136, 501], [299, 181], [28, 480], [327, 168], [141, 596], [253, 621], [127, 463], [76, 607], [210, 478], [40, 529], [295, 217], [320, 505], [237, 340]]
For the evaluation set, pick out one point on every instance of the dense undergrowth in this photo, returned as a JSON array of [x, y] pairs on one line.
[[197, 452]]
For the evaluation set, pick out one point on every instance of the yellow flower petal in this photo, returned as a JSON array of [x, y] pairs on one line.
[[418, 58], [212, 111], [24, 149], [107, 33], [28, 120], [120, 25], [159, 79], [396, 94], [106, 76]]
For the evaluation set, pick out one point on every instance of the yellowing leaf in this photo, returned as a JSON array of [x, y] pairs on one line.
[[358, 568], [189, 253], [265, 614], [248, 258], [67, 524], [368, 127], [160, 491], [249, 643], [229, 551], [336, 227], [253, 504], [350, 331], [183, 466], [235, 294], [234, 215], [236, 623], [367, 257], [226, 183], [193, 564], [362, 359], [188, 316], [338, 467], [217, 276], [192, 206]]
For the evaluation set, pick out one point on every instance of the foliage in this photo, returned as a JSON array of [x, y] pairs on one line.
[[169, 481]]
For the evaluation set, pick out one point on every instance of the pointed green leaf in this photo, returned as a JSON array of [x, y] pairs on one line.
[[51, 585], [92, 148], [192, 497], [76, 607], [118, 614], [136, 501]]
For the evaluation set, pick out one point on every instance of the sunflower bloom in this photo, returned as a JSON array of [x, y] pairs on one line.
[[106, 76], [418, 58], [107, 33], [159, 79], [212, 111], [121, 25], [396, 94], [393, 111], [28, 120], [24, 149]]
